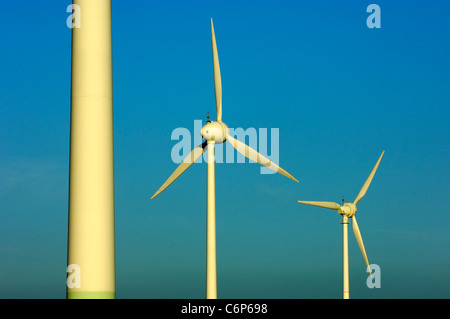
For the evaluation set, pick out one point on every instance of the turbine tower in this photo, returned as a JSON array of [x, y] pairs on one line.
[[216, 132], [348, 210], [91, 180]]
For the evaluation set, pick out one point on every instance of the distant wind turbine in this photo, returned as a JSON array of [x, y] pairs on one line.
[[216, 132], [348, 210]]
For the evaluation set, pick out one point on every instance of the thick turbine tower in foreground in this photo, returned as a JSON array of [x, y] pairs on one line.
[[91, 180], [348, 210], [216, 132]]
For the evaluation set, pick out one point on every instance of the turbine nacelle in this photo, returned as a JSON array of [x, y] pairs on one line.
[[348, 210], [215, 131]]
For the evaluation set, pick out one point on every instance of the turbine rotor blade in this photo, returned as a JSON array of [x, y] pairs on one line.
[[184, 165], [360, 242], [366, 185], [253, 155], [217, 78], [329, 205]]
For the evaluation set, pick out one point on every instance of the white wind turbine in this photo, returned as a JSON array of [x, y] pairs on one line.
[[348, 210], [216, 132]]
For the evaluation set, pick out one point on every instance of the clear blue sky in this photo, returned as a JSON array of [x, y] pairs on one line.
[[339, 93]]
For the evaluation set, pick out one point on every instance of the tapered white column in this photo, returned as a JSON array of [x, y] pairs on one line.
[[91, 181], [346, 292], [211, 269]]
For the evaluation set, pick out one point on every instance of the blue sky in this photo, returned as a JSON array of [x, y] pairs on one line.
[[338, 91]]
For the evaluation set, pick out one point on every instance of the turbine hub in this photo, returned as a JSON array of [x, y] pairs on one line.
[[348, 210], [215, 131]]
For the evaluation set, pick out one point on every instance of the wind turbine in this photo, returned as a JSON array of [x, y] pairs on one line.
[[216, 132], [91, 245], [348, 210]]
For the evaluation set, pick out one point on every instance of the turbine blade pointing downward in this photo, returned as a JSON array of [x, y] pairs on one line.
[[253, 155], [329, 205], [366, 185], [217, 78], [360, 242], [188, 161]]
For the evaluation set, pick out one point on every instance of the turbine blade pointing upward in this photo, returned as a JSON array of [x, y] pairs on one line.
[[253, 155], [360, 242], [217, 78], [366, 185], [329, 205], [188, 161]]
